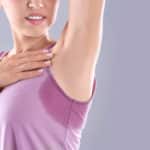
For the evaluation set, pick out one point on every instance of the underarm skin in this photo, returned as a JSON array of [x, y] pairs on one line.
[[85, 14]]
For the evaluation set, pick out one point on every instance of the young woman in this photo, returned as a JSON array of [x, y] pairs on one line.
[[48, 110]]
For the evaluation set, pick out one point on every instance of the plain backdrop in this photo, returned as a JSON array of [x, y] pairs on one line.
[[119, 116]]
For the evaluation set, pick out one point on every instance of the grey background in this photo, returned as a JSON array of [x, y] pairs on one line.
[[119, 117]]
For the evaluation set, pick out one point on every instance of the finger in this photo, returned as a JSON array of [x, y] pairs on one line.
[[38, 57], [32, 65], [33, 53], [30, 58], [29, 74]]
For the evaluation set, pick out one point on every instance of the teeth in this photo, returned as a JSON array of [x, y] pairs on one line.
[[35, 17]]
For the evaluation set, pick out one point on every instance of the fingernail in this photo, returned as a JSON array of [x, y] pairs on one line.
[[49, 54], [47, 62], [40, 70], [45, 50]]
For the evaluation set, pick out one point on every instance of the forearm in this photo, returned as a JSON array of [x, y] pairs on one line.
[[85, 14]]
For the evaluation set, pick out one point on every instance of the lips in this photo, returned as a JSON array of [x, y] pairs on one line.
[[36, 14], [35, 21]]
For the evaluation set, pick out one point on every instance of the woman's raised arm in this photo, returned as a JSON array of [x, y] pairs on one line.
[[85, 14], [84, 29]]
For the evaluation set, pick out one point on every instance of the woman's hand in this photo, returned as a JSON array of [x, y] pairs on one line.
[[23, 65]]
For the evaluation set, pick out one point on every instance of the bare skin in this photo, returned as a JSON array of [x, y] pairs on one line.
[[26, 57], [23, 66], [74, 66], [26, 36]]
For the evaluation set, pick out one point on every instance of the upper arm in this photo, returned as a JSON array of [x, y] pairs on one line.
[[83, 32], [82, 47], [85, 12], [85, 28]]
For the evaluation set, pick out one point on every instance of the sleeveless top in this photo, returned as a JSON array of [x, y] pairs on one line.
[[36, 114]]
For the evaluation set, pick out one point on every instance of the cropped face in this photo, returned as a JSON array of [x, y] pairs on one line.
[[17, 10]]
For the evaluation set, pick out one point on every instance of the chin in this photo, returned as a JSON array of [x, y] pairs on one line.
[[34, 32]]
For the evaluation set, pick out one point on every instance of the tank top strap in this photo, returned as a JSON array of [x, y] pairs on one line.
[[51, 45], [2, 54]]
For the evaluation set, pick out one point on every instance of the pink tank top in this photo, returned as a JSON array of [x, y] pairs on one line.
[[36, 114]]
